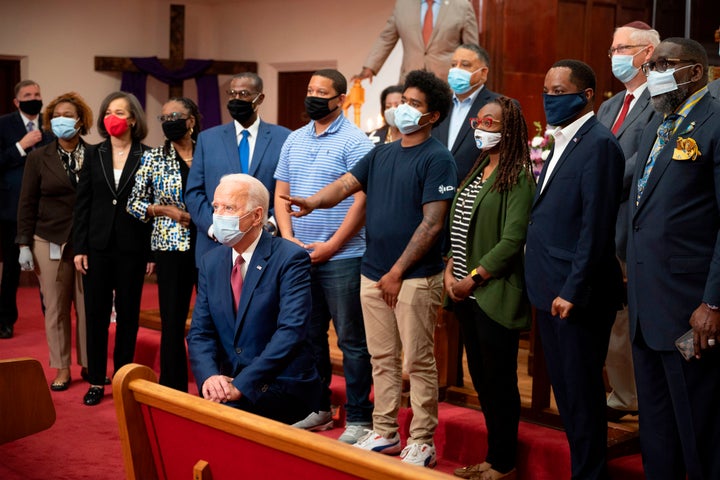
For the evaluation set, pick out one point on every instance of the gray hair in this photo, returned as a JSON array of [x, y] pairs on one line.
[[258, 195]]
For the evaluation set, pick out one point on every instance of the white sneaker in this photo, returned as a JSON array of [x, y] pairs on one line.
[[354, 431], [419, 454], [377, 443], [316, 422]]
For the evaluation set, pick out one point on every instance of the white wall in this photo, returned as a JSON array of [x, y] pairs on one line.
[[58, 40]]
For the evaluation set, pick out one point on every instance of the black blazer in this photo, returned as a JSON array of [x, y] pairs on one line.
[[12, 163], [464, 149], [101, 220], [570, 249]]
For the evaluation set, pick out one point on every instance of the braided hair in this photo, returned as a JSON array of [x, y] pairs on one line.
[[514, 152]]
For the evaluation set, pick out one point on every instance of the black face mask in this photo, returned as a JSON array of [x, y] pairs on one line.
[[174, 130], [241, 110], [317, 107], [31, 107]]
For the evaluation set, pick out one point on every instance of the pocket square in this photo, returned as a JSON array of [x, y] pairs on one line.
[[686, 149]]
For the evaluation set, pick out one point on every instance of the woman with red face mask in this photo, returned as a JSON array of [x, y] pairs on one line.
[[111, 246]]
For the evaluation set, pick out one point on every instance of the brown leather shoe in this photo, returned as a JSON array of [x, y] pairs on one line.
[[472, 470], [491, 474]]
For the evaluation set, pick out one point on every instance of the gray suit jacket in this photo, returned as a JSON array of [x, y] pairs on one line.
[[456, 24], [629, 138]]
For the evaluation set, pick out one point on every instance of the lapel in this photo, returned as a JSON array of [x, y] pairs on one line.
[[261, 143], [442, 15], [574, 142], [482, 98], [641, 104], [414, 14], [19, 128], [229, 141], [105, 158], [53, 163], [253, 274], [223, 287], [614, 105], [698, 115], [131, 166]]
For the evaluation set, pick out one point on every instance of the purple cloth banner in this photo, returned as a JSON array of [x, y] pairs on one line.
[[207, 85]]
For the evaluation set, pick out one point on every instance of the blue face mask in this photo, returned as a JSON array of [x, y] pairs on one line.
[[226, 228], [623, 68], [407, 119], [561, 108], [459, 80], [64, 127]]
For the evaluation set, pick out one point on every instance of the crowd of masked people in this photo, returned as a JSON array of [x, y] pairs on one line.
[[282, 232]]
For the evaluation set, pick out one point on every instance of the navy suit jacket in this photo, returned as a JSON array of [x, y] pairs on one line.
[[12, 164], [216, 154], [570, 241], [629, 138], [265, 343], [464, 150], [674, 243]]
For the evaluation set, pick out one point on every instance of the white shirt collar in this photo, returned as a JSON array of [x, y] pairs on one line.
[[247, 254], [253, 129]]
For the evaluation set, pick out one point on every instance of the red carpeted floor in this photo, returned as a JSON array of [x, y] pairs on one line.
[[84, 441]]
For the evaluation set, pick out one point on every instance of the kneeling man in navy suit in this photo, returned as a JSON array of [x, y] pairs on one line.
[[247, 341]]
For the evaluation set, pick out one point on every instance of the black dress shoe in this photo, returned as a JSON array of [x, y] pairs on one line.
[[6, 331], [94, 395], [86, 377], [60, 386]]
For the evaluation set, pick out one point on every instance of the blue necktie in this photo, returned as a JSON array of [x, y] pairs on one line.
[[244, 151], [664, 132]]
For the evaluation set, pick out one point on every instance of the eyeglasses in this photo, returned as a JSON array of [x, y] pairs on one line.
[[170, 117], [661, 65], [241, 94], [485, 122], [622, 48]]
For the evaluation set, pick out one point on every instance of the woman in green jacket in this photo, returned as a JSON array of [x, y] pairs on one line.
[[484, 276]]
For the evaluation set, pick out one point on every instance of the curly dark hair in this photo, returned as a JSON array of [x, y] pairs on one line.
[[84, 112], [438, 95], [514, 151]]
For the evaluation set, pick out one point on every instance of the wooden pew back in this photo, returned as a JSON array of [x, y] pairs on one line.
[[167, 434], [26, 406]]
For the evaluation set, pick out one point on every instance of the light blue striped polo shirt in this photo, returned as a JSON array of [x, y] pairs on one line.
[[308, 162]]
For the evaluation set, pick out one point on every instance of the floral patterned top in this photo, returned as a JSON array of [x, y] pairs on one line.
[[160, 180]]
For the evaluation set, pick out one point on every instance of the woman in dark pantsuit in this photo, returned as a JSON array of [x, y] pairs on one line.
[[112, 247]]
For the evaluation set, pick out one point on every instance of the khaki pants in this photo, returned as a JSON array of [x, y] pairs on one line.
[[61, 285], [407, 330]]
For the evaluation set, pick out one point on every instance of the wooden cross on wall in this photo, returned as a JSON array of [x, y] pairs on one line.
[[177, 56]]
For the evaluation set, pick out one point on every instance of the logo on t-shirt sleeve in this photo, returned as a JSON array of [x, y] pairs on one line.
[[445, 188]]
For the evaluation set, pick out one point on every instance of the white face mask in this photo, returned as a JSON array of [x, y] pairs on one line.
[[226, 228], [486, 140], [407, 119], [664, 82], [389, 115]]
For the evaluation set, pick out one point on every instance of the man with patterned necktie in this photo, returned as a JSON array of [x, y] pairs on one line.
[[673, 266], [20, 132]]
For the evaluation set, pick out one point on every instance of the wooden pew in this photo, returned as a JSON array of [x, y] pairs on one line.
[[26, 406], [167, 434]]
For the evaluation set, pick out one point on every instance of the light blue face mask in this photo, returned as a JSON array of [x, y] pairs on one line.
[[407, 118], [64, 127], [623, 68], [664, 82], [226, 228], [459, 80]]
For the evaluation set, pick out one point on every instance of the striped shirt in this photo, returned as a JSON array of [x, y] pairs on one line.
[[460, 227], [308, 162]]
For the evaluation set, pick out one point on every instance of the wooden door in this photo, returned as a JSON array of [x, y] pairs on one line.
[[9, 77], [292, 89]]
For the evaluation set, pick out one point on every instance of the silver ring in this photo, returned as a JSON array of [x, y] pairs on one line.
[[711, 342]]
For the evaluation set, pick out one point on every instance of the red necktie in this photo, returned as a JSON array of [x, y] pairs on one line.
[[428, 23], [623, 113], [236, 281]]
